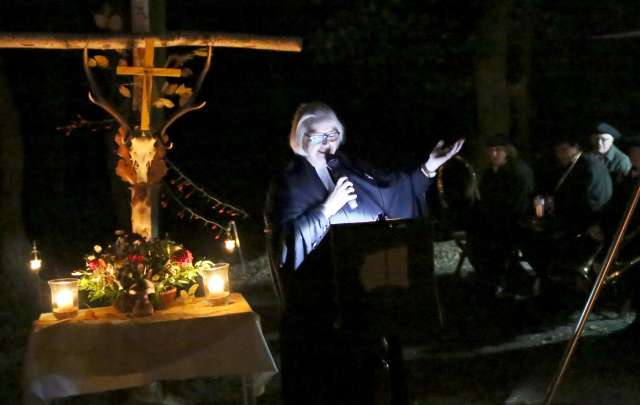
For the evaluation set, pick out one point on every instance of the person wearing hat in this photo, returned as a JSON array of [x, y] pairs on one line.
[[505, 192], [602, 141]]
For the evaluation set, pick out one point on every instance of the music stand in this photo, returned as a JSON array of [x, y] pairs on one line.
[[384, 267]]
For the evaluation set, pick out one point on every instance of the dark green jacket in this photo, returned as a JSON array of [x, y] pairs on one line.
[[617, 162], [583, 195]]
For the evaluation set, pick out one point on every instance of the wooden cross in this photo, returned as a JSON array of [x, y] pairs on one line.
[[148, 72], [143, 209]]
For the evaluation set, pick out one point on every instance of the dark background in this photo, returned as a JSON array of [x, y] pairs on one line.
[[398, 73]]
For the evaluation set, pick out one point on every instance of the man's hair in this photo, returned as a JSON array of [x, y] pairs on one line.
[[306, 115]]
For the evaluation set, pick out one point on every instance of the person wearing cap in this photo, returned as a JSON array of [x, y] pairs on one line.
[[602, 141], [505, 192]]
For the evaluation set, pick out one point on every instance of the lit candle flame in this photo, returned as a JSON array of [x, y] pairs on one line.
[[64, 300], [215, 284]]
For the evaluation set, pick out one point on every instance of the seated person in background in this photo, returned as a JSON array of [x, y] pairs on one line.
[[631, 146], [630, 248], [602, 143], [582, 190], [623, 189], [495, 231], [318, 365]]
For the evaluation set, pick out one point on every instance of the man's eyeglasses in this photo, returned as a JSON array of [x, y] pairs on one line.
[[319, 137]]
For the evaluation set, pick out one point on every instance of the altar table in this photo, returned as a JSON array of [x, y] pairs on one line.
[[102, 349]]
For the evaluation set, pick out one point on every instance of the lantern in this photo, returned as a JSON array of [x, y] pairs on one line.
[[229, 244], [35, 264]]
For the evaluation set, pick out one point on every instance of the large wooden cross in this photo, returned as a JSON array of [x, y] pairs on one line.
[[142, 217]]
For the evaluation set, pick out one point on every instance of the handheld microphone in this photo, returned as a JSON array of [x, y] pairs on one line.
[[336, 170]]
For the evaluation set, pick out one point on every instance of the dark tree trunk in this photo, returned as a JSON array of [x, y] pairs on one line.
[[21, 287], [520, 77], [490, 74]]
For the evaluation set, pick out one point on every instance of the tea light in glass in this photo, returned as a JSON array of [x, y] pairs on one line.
[[216, 283], [64, 297], [538, 205]]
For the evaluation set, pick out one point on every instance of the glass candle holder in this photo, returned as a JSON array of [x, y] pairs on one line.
[[64, 297], [539, 205], [216, 283]]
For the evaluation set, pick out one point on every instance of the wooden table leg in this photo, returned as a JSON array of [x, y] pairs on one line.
[[247, 390]]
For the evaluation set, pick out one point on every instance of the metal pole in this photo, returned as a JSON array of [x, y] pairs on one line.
[[595, 291], [237, 240]]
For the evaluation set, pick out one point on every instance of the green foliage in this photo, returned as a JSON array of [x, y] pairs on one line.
[[133, 263]]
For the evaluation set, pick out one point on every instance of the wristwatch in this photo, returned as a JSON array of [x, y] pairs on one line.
[[430, 174]]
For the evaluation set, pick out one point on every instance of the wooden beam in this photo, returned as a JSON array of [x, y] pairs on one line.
[[155, 71], [81, 41]]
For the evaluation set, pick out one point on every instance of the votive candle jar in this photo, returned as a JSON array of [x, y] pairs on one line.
[[216, 283], [64, 297]]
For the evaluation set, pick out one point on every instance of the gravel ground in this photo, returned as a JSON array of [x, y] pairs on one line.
[[488, 351]]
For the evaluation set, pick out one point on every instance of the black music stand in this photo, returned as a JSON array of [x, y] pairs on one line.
[[384, 268]]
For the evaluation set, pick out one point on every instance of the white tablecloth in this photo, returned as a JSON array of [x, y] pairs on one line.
[[102, 350]]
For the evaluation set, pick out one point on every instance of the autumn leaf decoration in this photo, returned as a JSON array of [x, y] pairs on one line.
[[100, 61], [170, 90], [107, 20], [124, 168], [163, 103]]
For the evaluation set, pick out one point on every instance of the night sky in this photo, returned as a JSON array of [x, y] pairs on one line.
[[398, 73]]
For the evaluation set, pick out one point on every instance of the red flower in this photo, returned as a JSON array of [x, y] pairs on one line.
[[136, 258], [96, 263], [182, 256]]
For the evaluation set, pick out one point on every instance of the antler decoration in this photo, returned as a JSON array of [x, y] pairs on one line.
[[142, 154], [188, 105], [98, 99]]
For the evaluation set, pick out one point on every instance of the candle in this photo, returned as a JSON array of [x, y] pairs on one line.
[[538, 204], [64, 300], [216, 283], [64, 297]]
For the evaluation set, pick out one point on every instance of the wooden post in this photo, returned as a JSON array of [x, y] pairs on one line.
[[144, 197]]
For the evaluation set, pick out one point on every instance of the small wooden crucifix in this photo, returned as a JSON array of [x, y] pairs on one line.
[[148, 72]]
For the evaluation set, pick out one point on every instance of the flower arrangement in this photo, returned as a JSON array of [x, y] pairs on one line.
[[133, 264]]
